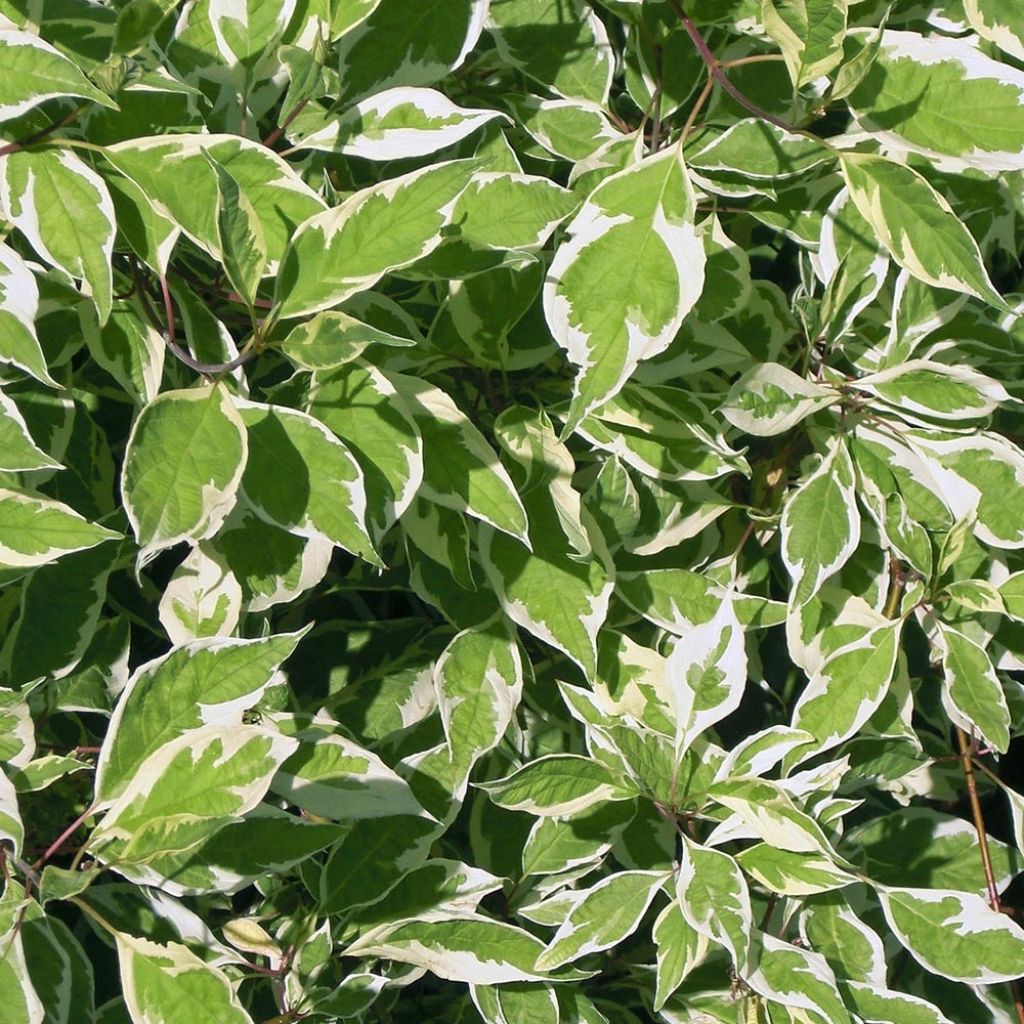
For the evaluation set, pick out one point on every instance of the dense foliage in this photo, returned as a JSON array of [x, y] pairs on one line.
[[511, 510]]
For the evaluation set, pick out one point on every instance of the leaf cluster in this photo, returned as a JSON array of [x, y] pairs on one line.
[[511, 510]]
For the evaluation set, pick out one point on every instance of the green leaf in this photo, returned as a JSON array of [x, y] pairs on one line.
[[847, 688], [662, 432], [397, 124], [22, 1004], [712, 894], [528, 437], [332, 339], [561, 844], [918, 846], [328, 259], [34, 531], [830, 927], [361, 405], [570, 129], [202, 598], [62, 206], [707, 674], [954, 934], [563, 46], [372, 858], [679, 948], [924, 388], [19, 305], [972, 694], [918, 226], [460, 469], [129, 348], [474, 950], [240, 234], [214, 772], [388, 48], [17, 449], [602, 916], [58, 611], [798, 978], [769, 400], [11, 828], [981, 476], [166, 983], [560, 599], [1000, 22], [232, 856], [335, 778], [874, 1002], [903, 101], [35, 71], [792, 874], [479, 682], [556, 785], [300, 477], [208, 681], [809, 33], [820, 524], [175, 175], [151, 235], [768, 811], [760, 150], [183, 466], [635, 234]]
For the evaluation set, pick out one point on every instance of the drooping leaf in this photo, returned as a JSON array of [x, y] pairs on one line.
[[329, 257], [62, 206], [35, 71], [902, 98], [820, 523], [602, 916], [635, 229], [183, 467], [809, 33], [917, 226], [954, 934]]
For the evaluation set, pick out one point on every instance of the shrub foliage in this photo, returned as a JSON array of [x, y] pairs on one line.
[[510, 510]]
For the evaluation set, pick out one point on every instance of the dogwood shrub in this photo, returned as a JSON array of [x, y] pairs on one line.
[[511, 510]]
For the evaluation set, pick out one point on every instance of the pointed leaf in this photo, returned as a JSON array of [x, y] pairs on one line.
[[166, 983], [955, 934], [707, 674], [636, 234], [328, 259], [602, 916], [34, 531], [184, 462], [918, 226], [62, 206], [556, 785]]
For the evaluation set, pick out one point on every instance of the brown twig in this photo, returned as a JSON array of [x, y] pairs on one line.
[[207, 369], [967, 760], [695, 110], [14, 147], [59, 841], [283, 126], [719, 75]]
